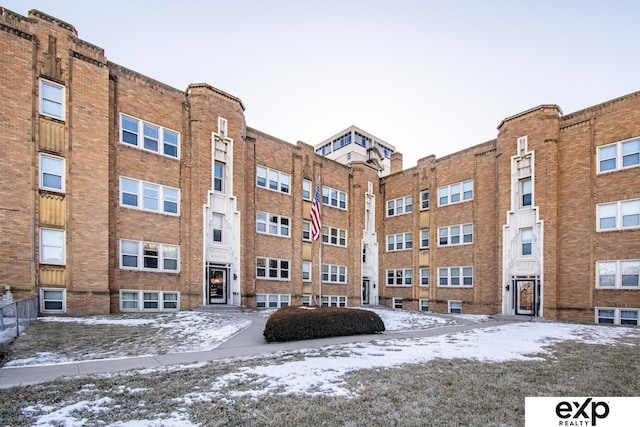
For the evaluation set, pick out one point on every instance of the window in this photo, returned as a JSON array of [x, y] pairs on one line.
[[424, 200], [424, 305], [170, 301], [51, 173], [455, 235], [272, 268], [397, 303], [272, 179], [424, 276], [455, 276], [148, 300], [306, 300], [128, 300], [334, 236], [52, 246], [526, 237], [399, 242], [455, 307], [619, 215], [399, 277], [154, 138], [306, 189], [334, 301], [620, 155], [272, 300], [274, 225], [623, 274], [617, 316], [306, 271], [217, 221], [341, 141], [455, 193], [149, 197], [53, 300], [218, 174], [306, 231], [160, 257], [335, 198], [334, 273], [526, 190], [424, 239], [51, 99], [401, 206]]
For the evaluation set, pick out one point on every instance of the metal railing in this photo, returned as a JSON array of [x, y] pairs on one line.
[[16, 316]]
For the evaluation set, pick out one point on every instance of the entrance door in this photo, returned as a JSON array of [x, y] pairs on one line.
[[526, 297], [217, 285], [366, 290]]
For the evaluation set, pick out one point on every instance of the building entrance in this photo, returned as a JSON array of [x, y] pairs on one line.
[[527, 297], [366, 290], [217, 285]]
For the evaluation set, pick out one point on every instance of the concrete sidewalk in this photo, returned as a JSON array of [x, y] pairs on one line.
[[248, 342]]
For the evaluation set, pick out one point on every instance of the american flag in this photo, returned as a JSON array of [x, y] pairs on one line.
[[316, 222]]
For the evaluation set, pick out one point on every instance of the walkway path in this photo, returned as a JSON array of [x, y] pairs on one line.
[[248, 342]]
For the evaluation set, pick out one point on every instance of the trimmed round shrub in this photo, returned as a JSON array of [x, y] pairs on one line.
[[303, 323]]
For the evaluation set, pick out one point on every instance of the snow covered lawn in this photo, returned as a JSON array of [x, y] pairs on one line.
[[486, 372]]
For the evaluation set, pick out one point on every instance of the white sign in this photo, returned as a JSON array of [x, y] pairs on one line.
[[581, 411]]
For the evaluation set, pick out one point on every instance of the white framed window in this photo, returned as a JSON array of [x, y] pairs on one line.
[[526, 241], [399, 277], [52, 246], [218, 177], [334, 300], [333, 197], [334, 273], [454, 307], [455, 276], [424, 200], [526, 192], [397, 303], [334, 236], [149, 300], [306, 231], [273, 180], [149, 256], [455, 193], [306, 189], [147, 196], [306, 300], [52, 99], [149, 137], [461, 234], [620, 155], [424, 305], [53, 300], [275, 225], [272, 300], [424, 238], [401, 206], [424, 276], [217, 223], [618, 215], [399, 242], [52, 176], [617, 316], [272, 268], [618, 274], [306, 271]]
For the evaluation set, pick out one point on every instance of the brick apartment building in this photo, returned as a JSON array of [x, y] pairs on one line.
[[120, 193]]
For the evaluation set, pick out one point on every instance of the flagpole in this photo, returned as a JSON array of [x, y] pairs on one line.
[[320, 249]]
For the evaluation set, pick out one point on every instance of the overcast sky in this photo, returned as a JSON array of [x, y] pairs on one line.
[[430, 77]]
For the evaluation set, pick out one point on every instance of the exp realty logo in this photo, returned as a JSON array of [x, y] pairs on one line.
[[580, 411]]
